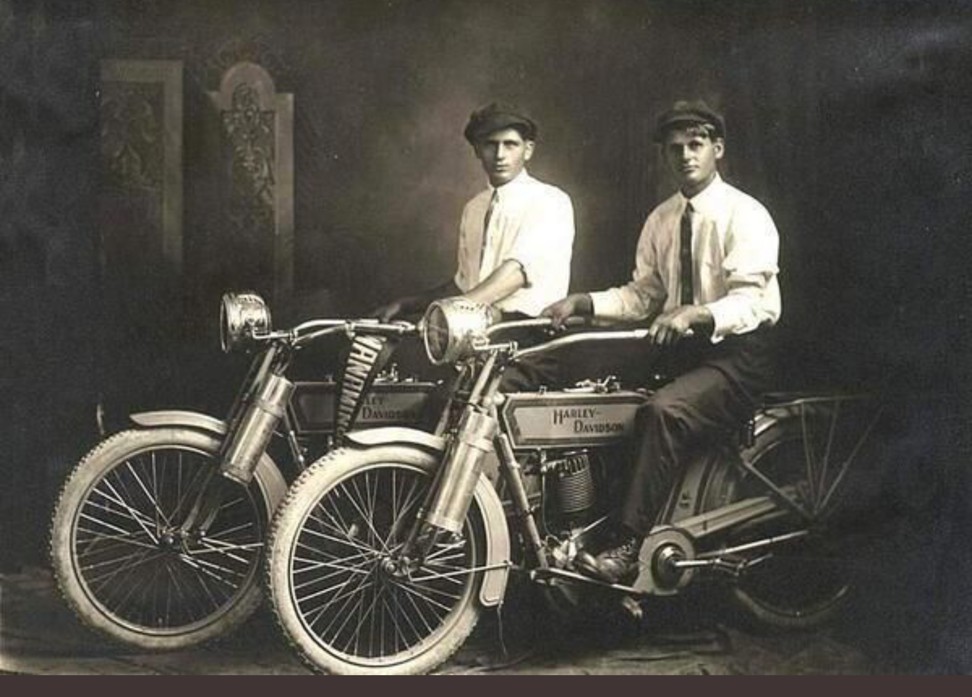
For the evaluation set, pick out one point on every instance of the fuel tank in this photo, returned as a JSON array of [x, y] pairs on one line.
[[313, 407], [570, 419]]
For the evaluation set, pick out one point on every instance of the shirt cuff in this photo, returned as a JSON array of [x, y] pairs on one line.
[[606, 303], [523, 269], [724, 319]]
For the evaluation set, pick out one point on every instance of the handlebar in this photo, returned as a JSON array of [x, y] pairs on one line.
[[306, 332], [536, 323], [570, 339]]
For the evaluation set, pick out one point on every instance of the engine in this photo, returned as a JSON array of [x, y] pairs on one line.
[[573, 445]]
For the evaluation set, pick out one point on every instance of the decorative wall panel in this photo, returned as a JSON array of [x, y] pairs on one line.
[[258, 186], [141, 206]]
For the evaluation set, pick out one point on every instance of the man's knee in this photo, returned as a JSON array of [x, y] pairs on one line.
[[663, 410]]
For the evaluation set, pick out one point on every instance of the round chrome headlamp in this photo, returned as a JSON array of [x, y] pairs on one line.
[[240, 315], [451, 326]]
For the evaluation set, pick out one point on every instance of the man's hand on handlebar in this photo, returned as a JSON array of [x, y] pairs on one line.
[[684, 321], [574, 305]]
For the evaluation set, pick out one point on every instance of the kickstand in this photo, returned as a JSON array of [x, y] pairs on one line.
[[499, 630]]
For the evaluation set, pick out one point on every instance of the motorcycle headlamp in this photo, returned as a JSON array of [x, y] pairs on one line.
[[452, 326], [240, 315]]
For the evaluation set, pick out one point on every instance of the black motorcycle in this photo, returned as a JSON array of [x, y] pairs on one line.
[[386, 550]]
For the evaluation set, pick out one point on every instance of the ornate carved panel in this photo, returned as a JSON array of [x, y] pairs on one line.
[[141, 204], [257, 133]]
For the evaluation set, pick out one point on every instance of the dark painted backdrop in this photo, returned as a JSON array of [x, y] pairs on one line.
[[848, 119]]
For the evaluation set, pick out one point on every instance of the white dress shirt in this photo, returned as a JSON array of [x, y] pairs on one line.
[[531, 223], [735, 246]]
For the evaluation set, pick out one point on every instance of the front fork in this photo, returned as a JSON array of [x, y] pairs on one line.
[[254, 418], [451, 494]]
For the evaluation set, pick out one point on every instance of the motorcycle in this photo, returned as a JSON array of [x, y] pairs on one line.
[[158, 532], [387, 550]]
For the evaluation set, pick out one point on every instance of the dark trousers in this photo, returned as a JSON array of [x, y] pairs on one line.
[[529, 374], [716, 390]]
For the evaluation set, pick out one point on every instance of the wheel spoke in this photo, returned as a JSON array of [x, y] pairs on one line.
[[822, 479], [137, 516], [134, 514], [845, 466], [315, 564], [419, 594], [367, 519], [348, 541], [136, 564], [122, 532], [230, 531], [411, 500], [349, 588], [225, 549], [343, 610], [190, 490], [148, 494]]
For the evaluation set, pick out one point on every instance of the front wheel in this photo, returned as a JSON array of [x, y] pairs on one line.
[[121, 560], [340, 596]]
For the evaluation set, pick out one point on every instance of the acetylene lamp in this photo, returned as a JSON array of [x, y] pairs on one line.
[[241, 316], [451, 328]]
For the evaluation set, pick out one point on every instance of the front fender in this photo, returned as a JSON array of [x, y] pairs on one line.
[[267, 469], [176, 417], [494, 518], [397, 435]]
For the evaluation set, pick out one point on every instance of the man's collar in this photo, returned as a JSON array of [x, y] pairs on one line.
[[519, 180], [709, 193]]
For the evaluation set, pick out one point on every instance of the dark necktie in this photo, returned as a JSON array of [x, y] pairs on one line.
[[489, 214], [685, 257]]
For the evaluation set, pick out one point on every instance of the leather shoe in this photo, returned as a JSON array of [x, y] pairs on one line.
[[613, 565]]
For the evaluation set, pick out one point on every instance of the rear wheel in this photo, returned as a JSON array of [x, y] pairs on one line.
[[813, 457], [120, 559], [334, 583]]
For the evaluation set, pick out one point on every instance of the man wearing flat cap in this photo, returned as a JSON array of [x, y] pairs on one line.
[[515, 238], [705, 278]]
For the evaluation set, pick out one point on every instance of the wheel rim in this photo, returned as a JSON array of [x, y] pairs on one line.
[[136, 566], [343, 588], [802, 577], [800, 581]]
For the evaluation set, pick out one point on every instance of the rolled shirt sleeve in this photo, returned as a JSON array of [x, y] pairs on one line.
[[545, 240], [532, 224], [750, 296]]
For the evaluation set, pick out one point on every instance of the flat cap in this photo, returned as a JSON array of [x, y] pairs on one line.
[[497, 116], [688, 112]]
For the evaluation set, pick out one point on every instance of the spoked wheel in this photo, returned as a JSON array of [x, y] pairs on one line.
[[812, 457], [123, 563], [340, 590]]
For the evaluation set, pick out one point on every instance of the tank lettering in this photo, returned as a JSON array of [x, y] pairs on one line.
[[565, 414], [378, 414], [586, 427]]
